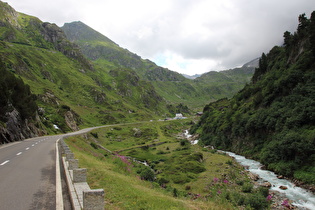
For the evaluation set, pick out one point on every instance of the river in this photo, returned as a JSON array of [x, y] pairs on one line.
[[301, 198]]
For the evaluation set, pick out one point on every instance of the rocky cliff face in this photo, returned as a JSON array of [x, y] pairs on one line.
[[17, 129], [9, 16], [71, 119], [55, 35], [18, 110]]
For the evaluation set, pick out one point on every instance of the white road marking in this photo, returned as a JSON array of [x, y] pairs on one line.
[[19, 153], [33, 145], [59, 199], [27, 148], [5, 162]]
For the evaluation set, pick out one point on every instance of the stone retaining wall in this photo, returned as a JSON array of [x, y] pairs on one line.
[[82, 197]]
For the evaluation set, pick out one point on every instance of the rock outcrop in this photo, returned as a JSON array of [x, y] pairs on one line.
[[10, 16], [253, 176], [55, 35], [17, 129], [71, 120]]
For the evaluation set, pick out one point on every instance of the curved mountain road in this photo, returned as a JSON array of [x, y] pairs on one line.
[[28, 174]]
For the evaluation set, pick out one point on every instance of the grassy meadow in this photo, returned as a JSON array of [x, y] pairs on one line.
[[179, 175]]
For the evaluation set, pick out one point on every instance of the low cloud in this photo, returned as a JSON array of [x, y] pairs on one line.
[[192, 36]]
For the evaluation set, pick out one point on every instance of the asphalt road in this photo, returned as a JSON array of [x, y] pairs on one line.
[[28, 174]]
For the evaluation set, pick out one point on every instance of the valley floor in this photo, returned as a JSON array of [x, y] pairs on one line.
[[179, 176]]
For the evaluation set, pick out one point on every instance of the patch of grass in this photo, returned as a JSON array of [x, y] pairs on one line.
[[127, 190], [193, 178]]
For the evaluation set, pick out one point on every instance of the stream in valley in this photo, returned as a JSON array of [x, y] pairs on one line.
[[300, 197]]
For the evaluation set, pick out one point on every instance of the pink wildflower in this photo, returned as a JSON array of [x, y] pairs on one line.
[[286, 203], [269, 197], [215, 179], [225, 181], [123, 159]]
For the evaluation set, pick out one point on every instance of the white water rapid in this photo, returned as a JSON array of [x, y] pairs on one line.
[[187, 136], [300, 197]]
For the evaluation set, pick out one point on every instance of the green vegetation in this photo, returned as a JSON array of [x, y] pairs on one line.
[[170, 85], [178, 176], [69, 90], [15, 94], [272, 119], [114, 86]]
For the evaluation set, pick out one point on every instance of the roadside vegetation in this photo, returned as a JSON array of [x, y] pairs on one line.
[[151, 166], [272, 119]]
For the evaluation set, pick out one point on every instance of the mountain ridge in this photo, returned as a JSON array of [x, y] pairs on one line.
[[172, 86], [71, 92], [91, 82]]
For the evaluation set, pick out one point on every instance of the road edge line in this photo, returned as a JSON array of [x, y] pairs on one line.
[[59, 198]]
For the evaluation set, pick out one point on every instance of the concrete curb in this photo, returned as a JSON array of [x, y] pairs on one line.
[[59, 199], [82, 197]]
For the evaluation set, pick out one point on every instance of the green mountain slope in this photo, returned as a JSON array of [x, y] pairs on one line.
[[70, 91], [226, 83], [272, 119], [92, 81], [100, 49], [18, 109], [172, 86]]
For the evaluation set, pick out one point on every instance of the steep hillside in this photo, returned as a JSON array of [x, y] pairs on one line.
[[172, 86], [228, 82], [272, 119], [102, 50], [18, 109], [92, 81], [70, 91]]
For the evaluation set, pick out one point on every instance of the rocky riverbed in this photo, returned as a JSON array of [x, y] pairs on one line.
[[283, 193]]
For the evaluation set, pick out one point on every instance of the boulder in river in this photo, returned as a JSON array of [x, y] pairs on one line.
[[253, 176], [266, 184]]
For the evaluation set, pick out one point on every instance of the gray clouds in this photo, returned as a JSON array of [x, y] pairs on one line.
[[188, 36]]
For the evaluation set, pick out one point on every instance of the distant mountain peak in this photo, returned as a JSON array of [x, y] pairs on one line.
[[253, 63], [191, 76], [78, 30]]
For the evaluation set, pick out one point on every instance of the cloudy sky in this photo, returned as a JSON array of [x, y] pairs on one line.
[[187, 36]]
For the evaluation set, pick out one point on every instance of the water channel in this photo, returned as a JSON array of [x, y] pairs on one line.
[[301, 198]]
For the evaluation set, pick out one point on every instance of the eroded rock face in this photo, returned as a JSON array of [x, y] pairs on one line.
[[50, 98], [52, 33], [16, 129], [11, 16], [71, 120]]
